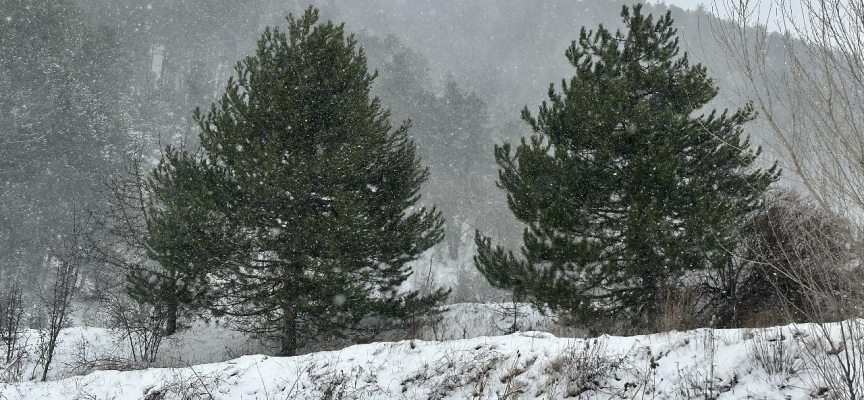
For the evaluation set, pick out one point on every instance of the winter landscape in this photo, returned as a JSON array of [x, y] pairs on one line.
[[398, 199]]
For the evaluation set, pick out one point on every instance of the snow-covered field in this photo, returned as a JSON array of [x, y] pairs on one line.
[[773, 363]]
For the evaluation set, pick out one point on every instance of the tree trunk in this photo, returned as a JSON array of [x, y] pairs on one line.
[[454, 238], [49, 357], [653, 298], [171, 318], [289, 331]]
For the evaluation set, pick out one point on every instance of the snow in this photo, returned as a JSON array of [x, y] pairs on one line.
[[771, 363]]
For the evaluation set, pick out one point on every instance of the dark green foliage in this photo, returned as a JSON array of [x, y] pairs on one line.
[[177, 243], [304, 196], [623, 189]]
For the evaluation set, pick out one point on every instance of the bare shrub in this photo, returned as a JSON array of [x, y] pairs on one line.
[[792, 260], [116, 241], [514, 387], [835, 355], [799, 254], [676, 311], [776, 354], [455, 370], [806, 81], [331, 384], [83, 362], [11, 314], [117, 245], [698, 381], [581, 367], [812, 107], [141, 326], [180, 385], [58, 300]]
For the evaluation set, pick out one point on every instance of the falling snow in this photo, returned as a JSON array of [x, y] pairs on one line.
[[87, 124]]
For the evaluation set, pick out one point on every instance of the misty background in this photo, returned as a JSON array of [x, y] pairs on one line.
[[89, 84]]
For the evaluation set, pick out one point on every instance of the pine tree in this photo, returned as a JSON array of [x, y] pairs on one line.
[[169, 246], [455, 139], [623, 190], [310, 191]]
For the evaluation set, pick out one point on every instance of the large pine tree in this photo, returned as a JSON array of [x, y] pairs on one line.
[[624, 190], [314, 192]]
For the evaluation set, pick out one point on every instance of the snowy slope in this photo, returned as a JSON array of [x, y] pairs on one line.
[[81, 347], [775, 363]]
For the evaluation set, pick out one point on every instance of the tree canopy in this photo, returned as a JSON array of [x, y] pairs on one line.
[[623, 188], [311, 190]]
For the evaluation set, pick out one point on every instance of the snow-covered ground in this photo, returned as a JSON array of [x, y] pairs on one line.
[[774, 363], [82, 347]]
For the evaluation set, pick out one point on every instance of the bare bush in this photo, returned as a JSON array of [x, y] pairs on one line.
[[11, 314], [514, 387], [835, 355], [581, 367], [454, 370], [356, 383], [59, 297], [180, 385], [120, 246], [793, 264], [777, 355], [141, 326], [117, 240], [807, 81], [700, 380], [117, 244], [676, 312], [801, 253], [83, 362]]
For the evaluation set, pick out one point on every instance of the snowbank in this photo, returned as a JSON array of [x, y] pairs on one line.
[[775, 363]]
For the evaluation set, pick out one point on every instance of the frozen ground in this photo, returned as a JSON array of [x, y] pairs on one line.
[[774, 363]]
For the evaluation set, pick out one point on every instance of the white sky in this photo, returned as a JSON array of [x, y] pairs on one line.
[[767, 9]]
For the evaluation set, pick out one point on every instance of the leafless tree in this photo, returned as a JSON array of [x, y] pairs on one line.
[[58, 300], [118, 244], [11, 314], [117, 240], [137, 324], [808, 82]]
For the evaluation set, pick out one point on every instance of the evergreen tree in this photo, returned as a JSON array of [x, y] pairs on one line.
[[175, 239], [450, 129], [623, 190], [310, 190], [453, 146]]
